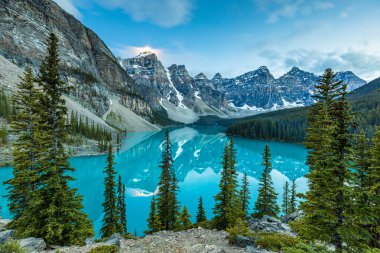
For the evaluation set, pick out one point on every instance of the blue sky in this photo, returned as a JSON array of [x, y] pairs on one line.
[[233, 37]]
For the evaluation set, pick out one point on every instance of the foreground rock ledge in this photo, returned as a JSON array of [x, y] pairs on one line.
[[197, 240]]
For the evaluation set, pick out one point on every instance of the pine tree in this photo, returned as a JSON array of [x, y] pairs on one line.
[[167, 196], [153, 219], [286, 199], [55, 210], [362, 215], [121, 207], [328, 201], [293, 198], [4, 134], [183, 222], [26, 151], [373, 190], [245, 195], [111, 214], [201, 214], [266, 203], [227, 207]]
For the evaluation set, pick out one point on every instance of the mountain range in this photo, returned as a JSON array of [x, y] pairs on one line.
[[185, 98], [137, 94]]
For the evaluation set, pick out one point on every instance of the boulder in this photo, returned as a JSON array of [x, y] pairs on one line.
[[244, 241], [114, 239], [267, 218], [89, 241], [291, 217], [6, 235], [3, 223], [269, 224], [32, 244]]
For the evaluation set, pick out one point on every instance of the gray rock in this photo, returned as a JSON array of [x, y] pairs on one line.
[[32, 244], [6, 235], [3, 223], [267, 218], [114, 239], [244, 241], [291, 217], [89, 241], [270, 224]]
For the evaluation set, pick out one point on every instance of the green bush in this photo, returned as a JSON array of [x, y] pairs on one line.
[[11, 246], [275, 241], [372, 251], [302, 247], [240, 228], [105, 249]]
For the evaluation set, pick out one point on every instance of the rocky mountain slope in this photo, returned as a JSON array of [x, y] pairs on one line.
[[185, 98], [87, 63], [173, 91]]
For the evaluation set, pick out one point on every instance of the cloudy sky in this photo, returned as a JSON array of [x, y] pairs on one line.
[[233, 37]]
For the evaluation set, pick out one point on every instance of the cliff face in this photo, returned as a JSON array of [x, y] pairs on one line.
[[87, 63]]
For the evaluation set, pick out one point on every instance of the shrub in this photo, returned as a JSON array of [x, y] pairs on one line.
[[11, 246], [105, 249], [302, 247], [275, 241], [240, 228]]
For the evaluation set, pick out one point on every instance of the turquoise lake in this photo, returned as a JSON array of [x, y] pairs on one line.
[[197, 156]]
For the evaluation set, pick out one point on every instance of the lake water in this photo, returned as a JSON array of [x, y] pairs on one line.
[[197, 156]]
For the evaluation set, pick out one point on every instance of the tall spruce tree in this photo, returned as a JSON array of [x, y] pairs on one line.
[[328, 139], [227, 207], [121, 207], [4, 135], [26, 150], [362, 214], [183, 222], [373, 190], [201, 214], [286, 199], [266, 203], [153, 219], [167, 197], [245, 195], [293, 198], [111, 212], [55, 210]]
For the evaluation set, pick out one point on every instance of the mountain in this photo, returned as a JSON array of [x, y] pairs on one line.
[[173, 91], [100, 84], [258, 90], [290, 124], [353, 81], [184, 98]]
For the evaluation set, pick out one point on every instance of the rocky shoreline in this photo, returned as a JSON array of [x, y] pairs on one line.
[[195, 240]]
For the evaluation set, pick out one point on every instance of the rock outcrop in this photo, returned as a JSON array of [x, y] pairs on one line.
[[87, 64]]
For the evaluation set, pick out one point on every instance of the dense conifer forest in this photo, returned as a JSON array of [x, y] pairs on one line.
[[290, 124]]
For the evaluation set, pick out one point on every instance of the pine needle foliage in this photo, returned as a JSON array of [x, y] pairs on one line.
[[167, 202], [266, 203], [201, 214], [54, 209], [154, 224], [110, 210], [227, 207], [245, 195], [121, 207]]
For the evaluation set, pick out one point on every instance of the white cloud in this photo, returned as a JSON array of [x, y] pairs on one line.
[[165, 13], [277, 9], [68, 6], [364, 64], [127, 51]]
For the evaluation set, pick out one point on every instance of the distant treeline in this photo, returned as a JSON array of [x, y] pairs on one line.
[[290, 124]]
